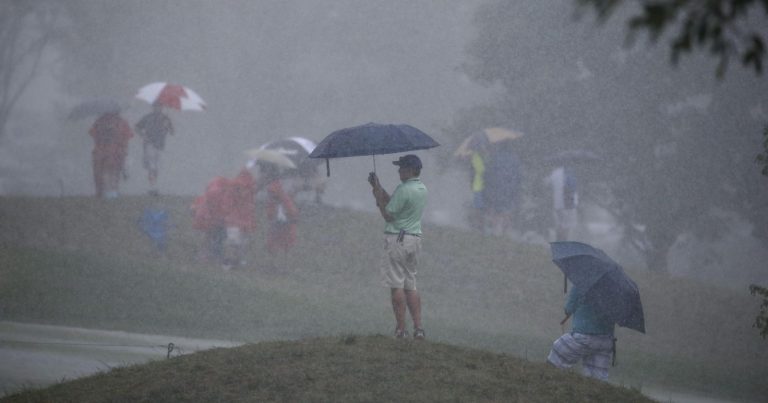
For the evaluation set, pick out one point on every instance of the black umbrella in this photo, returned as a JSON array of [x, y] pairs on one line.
[[606, 287], [371, 139]]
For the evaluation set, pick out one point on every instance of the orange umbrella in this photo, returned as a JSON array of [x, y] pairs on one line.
[[490, 135]]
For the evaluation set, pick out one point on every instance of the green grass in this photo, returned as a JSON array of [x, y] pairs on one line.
[[81, 261], [340, 369]]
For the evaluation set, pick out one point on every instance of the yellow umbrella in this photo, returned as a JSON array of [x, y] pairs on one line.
[[492, 135], [271, 156]]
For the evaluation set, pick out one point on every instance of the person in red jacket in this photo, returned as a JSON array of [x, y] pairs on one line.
[[208, 212], [281, 211], [239, 217], [111, 134]]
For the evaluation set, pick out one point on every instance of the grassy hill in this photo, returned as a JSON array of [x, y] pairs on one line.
[[82, 261], [342, 369]]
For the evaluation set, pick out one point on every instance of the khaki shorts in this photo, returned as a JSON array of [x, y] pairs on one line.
[[398, 268]]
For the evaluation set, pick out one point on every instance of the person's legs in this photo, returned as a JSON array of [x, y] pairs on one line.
[[598, 362], [566, 351], [398, 307], [413, 301], [151, 163], [98, 175]]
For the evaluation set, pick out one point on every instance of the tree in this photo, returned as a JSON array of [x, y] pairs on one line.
[[720, 26], [26, 29], [672, 160]]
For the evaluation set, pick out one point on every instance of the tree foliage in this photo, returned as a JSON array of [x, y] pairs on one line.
[[762, 158], [761, 321], [27, 27], [720, 27], [673, 143]]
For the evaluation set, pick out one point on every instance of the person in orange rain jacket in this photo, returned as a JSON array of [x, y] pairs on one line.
[[281, 211], [239, 217], [208, 212], [111, 134]]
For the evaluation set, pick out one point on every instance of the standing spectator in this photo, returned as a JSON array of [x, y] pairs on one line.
[[208, 212], [239, 217], [590, 341], [153, 128], [402, 213], [111, 134], [282, 212], [565, 200], [502, 187]]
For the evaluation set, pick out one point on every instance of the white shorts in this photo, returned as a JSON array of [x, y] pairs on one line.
[[234, 236], [398, 269], [594, 351], [151, 158]]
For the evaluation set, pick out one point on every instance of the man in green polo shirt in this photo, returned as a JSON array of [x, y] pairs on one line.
[[402, 235]]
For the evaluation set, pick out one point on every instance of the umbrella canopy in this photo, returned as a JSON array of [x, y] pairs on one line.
[[171, 95], [603, 282], [490, 135], [94, 107], [295, 148], [372, 139], [272, 157]]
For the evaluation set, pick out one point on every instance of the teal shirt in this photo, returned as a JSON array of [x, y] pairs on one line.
[[405, 206], [585, 319]]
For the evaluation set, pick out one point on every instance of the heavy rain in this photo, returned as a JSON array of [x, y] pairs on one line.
[[663, 140]]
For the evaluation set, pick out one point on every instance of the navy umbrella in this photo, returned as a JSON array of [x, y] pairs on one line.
[[606, 287], [371, 139]]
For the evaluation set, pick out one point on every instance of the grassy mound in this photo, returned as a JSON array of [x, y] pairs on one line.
[[81, 261], [340, 369]]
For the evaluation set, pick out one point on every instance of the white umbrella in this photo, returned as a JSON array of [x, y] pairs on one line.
[[271, 156], [171, 95]]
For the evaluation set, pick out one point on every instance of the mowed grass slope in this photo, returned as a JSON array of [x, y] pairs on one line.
[[341, 369], [82, 261]]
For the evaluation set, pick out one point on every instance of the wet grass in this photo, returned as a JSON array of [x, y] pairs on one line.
[[339, 369], [80, 261]]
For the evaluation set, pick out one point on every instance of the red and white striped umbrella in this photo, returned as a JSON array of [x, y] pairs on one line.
[[171, 95]]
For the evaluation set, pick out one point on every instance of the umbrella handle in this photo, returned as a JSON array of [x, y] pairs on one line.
[[374, 162], [565, 284], [328, 167]]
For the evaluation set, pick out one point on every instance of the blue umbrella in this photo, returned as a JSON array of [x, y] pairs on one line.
[[603, 282], [372, 139]]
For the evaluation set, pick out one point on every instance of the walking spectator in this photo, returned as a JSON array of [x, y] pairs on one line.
[[111, 134], [208, 212], [239, 217], [282, 212], [153, 129], [590, 340], [402, 212]]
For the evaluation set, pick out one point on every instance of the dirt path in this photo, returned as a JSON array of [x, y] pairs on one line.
[[40, 355]]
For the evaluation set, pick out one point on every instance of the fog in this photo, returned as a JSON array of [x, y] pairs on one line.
[[270, 70]]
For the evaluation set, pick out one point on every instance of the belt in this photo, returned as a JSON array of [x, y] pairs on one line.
[[395, 233], [401, 235]]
